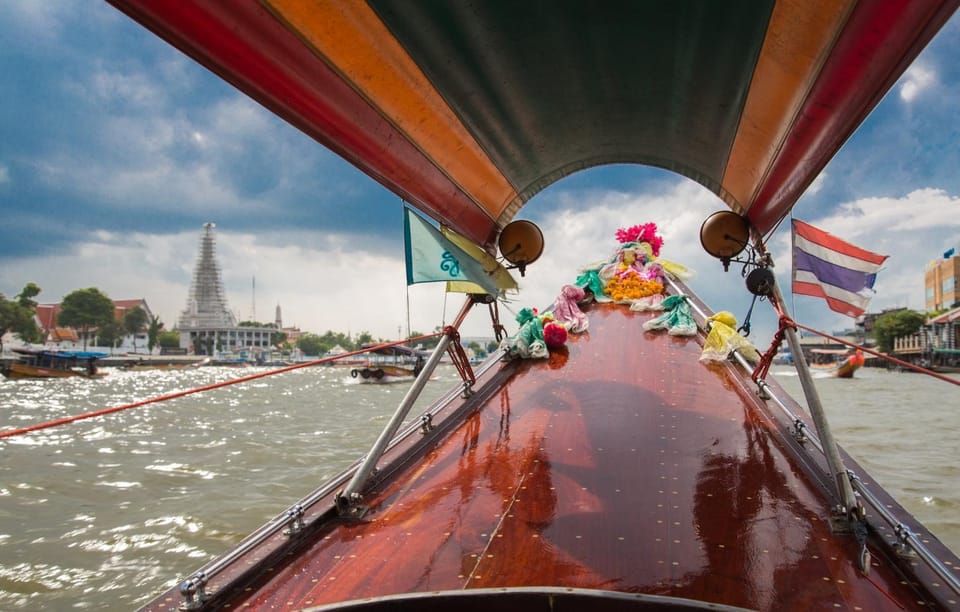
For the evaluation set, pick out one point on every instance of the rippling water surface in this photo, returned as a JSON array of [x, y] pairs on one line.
[[903, 429], [107, 512]]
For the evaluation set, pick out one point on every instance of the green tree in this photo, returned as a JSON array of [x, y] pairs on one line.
[[110, 334], [333, 339], [478, 350], [312, 344], [168, 339], [18, 316], [428, 343], [134, 322], [153, 333], [26, 295], [893, 325], [85, 309]]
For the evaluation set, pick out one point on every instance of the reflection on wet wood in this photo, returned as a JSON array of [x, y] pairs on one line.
[[622, 463]]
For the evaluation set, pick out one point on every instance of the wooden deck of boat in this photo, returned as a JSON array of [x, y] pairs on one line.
[[632, 467]]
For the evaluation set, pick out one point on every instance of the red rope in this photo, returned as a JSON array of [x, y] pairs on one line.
[[162, 398], [760, 372], [884, 356], [882, 590], [499, 331], [458, 356], [786, 321]]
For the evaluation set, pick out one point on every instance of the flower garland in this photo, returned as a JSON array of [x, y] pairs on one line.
[[631, 287]]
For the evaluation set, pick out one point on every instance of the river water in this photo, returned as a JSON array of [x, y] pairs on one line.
[[105, 513]]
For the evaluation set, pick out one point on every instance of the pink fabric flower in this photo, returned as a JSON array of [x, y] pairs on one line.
[[566, 311]]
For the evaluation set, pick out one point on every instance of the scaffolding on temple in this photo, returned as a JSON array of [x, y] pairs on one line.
[[207, 303]]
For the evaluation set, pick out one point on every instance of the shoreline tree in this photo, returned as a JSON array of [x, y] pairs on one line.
[[168, 339], [893, 325], [17, 315], [86, 309], [153, 333], [134, 322], [110, 334]]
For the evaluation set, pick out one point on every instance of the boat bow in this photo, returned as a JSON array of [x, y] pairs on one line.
[[622, 464]]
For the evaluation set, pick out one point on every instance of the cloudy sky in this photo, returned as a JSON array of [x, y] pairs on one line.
[[115, 150]]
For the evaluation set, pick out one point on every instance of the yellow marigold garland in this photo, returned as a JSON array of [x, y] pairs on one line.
[[631, 288]]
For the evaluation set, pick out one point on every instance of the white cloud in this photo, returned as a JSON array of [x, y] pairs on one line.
[[131, 90], [891, 220], [817, 184], [325, 281], [915, 80], [36, 19]]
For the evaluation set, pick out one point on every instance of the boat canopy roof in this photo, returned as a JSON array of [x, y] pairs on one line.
[[57, 354], [396, 349], [467, 110]]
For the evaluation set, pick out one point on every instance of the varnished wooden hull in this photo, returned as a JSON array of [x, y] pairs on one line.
[[622, 464]]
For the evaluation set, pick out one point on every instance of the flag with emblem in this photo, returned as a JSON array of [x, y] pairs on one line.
[[431, 257]]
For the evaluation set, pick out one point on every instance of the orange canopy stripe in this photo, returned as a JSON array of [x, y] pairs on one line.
[[350, 37], [798, 39]]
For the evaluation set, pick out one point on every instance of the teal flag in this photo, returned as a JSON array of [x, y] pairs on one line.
[[431, 257]]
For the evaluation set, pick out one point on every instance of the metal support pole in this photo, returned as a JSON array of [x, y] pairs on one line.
[[841, 479], [352, 491], [360, 477]]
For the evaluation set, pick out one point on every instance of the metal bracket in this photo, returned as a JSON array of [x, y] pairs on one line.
[[467, 390], [193, 591], [295, 524], [426, 423], [840, 520], [902, 545], [349, 507], [860, 531], [799, 432], [762, 392]]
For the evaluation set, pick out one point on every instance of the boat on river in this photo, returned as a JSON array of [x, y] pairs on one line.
[[44, 363], [393, 364], [613, 470], [838, 363]]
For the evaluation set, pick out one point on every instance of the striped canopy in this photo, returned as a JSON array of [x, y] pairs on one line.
[[468, 108]]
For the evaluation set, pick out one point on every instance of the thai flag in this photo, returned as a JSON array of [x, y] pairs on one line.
[[837, 271]]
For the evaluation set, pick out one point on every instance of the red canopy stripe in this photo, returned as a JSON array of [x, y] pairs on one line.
[[250, 48], [879, 41]]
